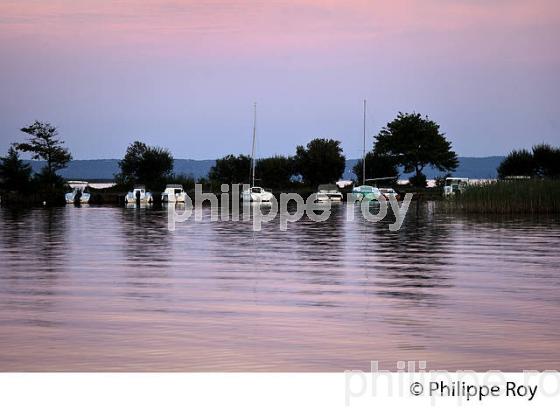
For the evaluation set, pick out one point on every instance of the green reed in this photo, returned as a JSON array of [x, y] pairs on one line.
[[533, 196]]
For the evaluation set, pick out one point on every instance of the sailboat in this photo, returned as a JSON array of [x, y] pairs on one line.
[[365, 192], [255, 193]]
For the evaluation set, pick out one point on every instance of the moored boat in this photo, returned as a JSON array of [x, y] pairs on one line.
[[454, 186], [366, 192], [77, 196], [389, 193], [139, 194], [328, 193], [255, 193], [173, 193]]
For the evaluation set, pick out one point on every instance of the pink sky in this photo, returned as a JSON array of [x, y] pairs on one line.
[[183, 74]]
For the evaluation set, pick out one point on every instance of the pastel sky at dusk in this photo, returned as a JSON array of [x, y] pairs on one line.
[[184, 74]]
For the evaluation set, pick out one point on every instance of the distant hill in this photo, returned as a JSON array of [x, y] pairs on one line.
[[469, 167], [104, 169], [100, 169]]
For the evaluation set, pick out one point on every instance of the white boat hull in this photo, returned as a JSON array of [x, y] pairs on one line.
[[174, 193], [257, 197], [71, 198], [321, 198], [144, 199], [174, 198]]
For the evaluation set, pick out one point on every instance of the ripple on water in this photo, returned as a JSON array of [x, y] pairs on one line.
[[105, 288]]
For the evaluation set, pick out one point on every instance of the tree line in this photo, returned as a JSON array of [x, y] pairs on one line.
[[411, 141], [543, 161], [320, 161]]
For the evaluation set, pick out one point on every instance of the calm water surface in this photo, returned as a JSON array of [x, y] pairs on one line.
[[106, 288]]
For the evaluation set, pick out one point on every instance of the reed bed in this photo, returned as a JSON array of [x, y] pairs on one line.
[[536, 196]]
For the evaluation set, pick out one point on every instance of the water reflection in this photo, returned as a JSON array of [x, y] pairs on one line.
[[104, 288], [414, 261], [147, 246], [33, 282]]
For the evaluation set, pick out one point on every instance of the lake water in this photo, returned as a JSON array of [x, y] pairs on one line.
[[111, 289]]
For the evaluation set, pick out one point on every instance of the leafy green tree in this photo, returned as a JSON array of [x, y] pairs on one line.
[[142, 164], [231, 169], [377, 166], [415, 142], [15, 175], [275, 172], [320, 162], [43, 145], [517, 163]]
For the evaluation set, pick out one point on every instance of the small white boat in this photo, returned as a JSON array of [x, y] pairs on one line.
[[343, 183], [455, 185], [257, 194], [328, 193], [139, 194], [366, 192], [173, 193], [77, 196]]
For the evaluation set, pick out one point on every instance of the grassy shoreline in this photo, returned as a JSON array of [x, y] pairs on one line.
[[534, 196]]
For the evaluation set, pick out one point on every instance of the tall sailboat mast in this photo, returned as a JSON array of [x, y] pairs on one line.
[[364, 153], [254, 144]]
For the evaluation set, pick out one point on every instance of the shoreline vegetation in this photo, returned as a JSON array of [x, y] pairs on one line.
[[529, 181], [530, 196], [505, 197]]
